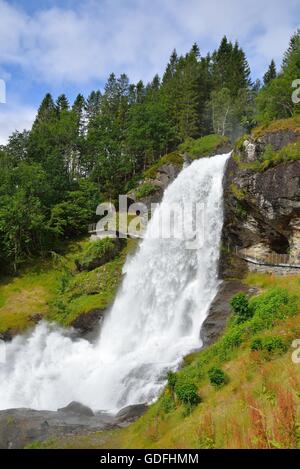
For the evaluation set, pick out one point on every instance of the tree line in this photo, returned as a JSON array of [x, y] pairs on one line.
[[77, 155]]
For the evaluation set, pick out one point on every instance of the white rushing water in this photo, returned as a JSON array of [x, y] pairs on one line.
[[154, 322]]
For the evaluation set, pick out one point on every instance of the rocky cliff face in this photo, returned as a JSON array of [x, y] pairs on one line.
[[262, 209]]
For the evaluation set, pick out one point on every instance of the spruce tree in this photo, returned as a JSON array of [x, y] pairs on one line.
[[270, 74], [46, 111], [93, 105], [79, 107], [62, 104]]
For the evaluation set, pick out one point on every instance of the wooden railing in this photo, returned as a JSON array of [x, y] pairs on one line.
[[271, 259]]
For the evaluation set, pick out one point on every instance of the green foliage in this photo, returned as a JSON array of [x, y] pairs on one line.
[[274, 100], [270, 344], [217, 377], [172, 378], [187, 393], [270, 157], [145, 189], [171, 158], [276, 304], [241, 209], [241, 308], [203, 146], [101, 250], [270, 74], [167, 403], [82, 292], [238, 193]]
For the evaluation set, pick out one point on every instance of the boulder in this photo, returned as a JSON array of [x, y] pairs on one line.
[[130, 413], [77, 408]]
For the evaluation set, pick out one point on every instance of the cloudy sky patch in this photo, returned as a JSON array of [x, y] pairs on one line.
[[72, 46]]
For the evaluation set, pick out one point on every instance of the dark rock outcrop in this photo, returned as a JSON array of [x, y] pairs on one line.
[[219, 310], [87, 322], [21, 427], [164, 176], [261, 209], [131, 412], [78, 409]]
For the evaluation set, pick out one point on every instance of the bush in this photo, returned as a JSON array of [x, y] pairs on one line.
[[240, 307], [267, 308], [187, 394], [217, 377], [203, 146], [269, 344], [145, 189], [98, 253], [172, 378], [167, 403]]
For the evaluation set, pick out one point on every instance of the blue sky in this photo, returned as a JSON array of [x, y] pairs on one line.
[[70, 46]]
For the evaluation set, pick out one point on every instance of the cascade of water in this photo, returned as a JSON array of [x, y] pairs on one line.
[[153, 323]]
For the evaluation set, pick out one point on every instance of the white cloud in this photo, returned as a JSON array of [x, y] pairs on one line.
[[96, 37], [15, 116], [83, 43]]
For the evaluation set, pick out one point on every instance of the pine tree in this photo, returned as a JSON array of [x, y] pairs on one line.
[[270, 74], [46, 111], [62, 104], [293, 51], [79, 109], [140, 91], [93, 105], [171, 67]]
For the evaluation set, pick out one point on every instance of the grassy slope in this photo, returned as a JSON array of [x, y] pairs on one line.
[[54, 290], [259, 407]]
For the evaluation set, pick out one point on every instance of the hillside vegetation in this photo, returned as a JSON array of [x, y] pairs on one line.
[[55, 290], [246, 385]]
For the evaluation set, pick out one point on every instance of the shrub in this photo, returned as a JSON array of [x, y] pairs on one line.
[[203, 146], [217, 377], [233, 338], [172, 378], [269, 344], [167, 403], [241, 308], [275, 304], [145, 189], [170, 158], [256, 344], [98, 253], [187, 394]]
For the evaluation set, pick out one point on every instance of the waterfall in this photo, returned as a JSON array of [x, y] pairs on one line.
[[154, 321]]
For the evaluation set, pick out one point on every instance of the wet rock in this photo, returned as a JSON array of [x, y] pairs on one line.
[[130, 413], [87, 322], [36, 317], [7, 335], [20, 427], [220, 310], [77, 408], [164, 176]]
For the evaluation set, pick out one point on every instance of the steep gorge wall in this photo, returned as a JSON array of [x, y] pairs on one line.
[[261, 208]]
